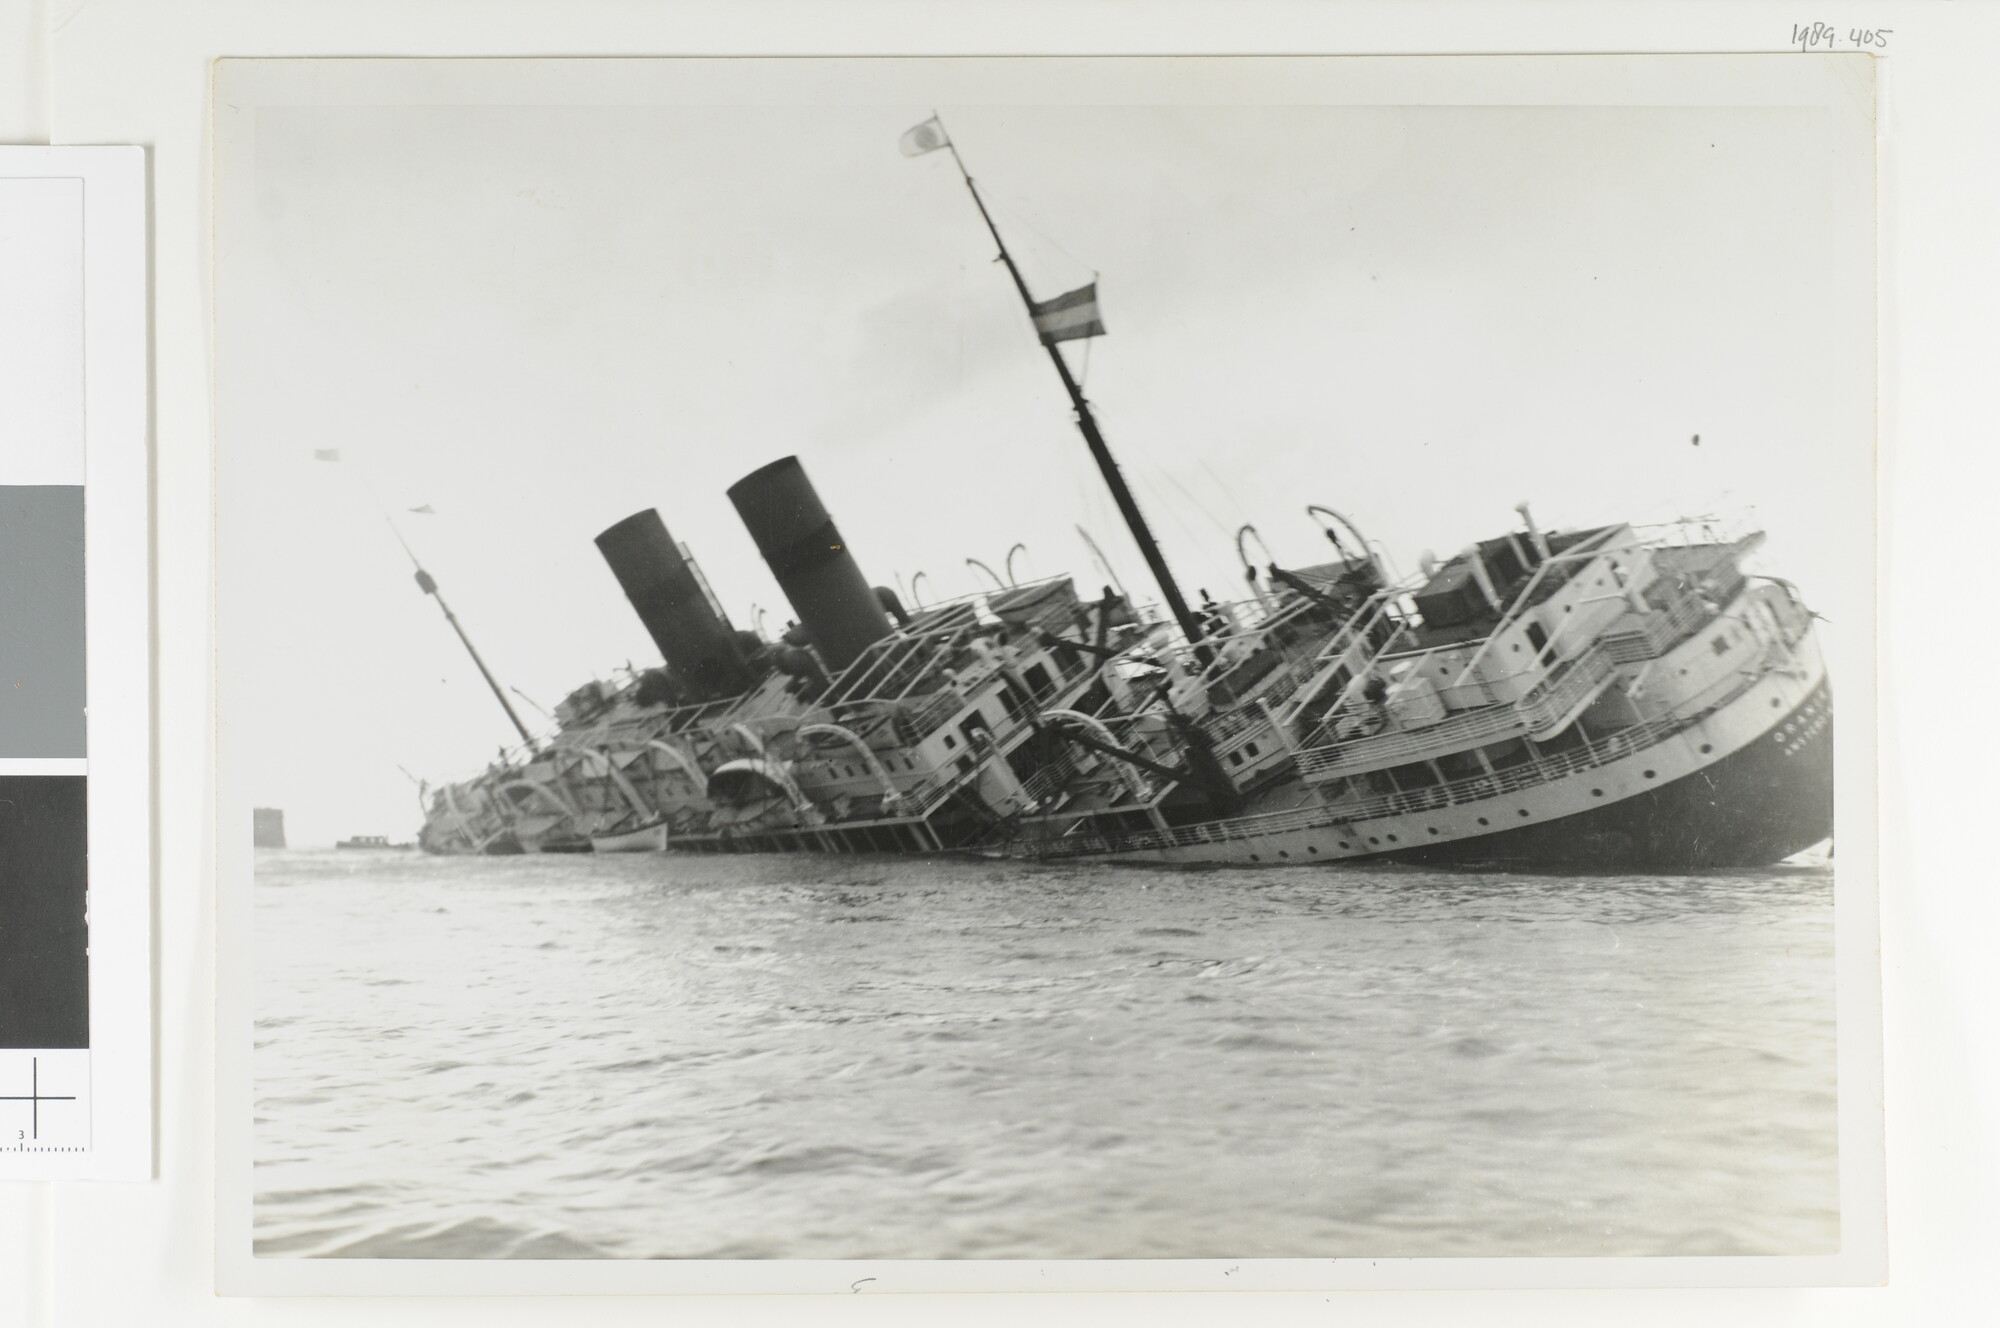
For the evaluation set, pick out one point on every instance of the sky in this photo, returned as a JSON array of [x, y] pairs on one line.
[[537, 318]]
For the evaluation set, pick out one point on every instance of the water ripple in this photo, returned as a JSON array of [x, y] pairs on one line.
[[784, 1057]]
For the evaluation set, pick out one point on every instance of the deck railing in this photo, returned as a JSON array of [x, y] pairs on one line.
[[1338, 816], [1657, 632], [934, 710], [1544, 705]]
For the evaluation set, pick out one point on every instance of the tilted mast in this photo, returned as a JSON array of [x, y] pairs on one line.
[[428, 584], [930, 136]]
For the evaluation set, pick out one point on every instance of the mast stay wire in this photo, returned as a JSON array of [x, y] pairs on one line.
[[1147, 475], [1155, 468], [1223, 488], [1193, 501], [1097, 508], [1202, 548], [361, 474], [1013, 210]]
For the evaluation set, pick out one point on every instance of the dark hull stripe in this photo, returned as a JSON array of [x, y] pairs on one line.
[[1756, 806]]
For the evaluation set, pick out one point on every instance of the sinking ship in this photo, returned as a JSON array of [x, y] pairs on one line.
[[1613, 697]]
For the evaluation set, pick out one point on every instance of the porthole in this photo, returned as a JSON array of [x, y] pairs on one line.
[[1524, 811], [1373, 840], [1569, 608], [1706, 748], [1392, 839], [1482, 820], [1517, 648], [1433, 829], [1343, 843], [1597, 793], [1284, 853], [1312, 848], [1650, 774], [1255, 858]]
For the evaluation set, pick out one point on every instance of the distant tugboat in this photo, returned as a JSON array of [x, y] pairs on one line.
[[1610, 697], [378, 843]]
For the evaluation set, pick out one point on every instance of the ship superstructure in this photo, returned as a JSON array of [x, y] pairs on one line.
[[1608, 697]]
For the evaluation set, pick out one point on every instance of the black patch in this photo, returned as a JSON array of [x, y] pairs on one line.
[[44, 963]]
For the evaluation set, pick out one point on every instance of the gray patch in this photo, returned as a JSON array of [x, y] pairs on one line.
[[41, 620]]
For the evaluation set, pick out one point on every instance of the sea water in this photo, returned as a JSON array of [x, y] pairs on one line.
[[805, 1057]]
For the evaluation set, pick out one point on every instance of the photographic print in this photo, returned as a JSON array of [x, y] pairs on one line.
[[1013, 661]]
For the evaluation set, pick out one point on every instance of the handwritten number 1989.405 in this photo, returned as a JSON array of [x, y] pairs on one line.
[[1824, 36]]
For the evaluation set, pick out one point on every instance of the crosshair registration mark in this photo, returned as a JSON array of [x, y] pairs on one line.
[[36, 1096]]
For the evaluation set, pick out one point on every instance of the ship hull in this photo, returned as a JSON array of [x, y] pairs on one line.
[[1756, 806], [1769, 797], [1746, 784]]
